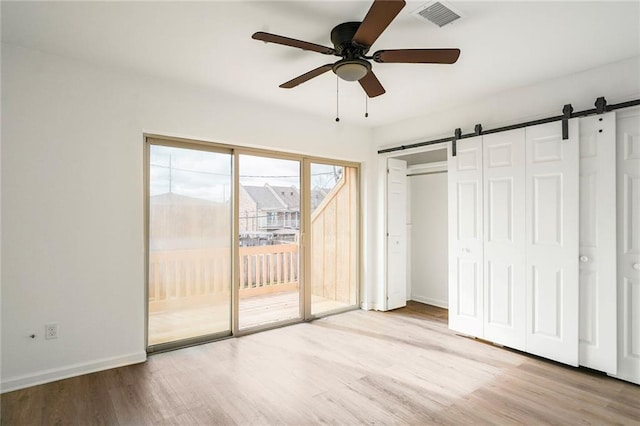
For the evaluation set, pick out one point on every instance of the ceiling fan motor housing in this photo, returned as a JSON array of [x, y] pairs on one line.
[[342, 39], [352, 66]]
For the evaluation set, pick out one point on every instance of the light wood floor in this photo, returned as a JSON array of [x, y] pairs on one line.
[[177, 324], [400, 367]]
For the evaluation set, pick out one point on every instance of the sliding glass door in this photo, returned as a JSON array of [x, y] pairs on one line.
[[189, 245], [334, 237], [241, 240], [269, 222]]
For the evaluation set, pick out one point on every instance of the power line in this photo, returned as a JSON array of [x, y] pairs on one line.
[[242, 176]]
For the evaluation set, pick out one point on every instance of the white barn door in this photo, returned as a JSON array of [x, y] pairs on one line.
[[466, 310], [396, 234], [552, 242], [504, 238], [628, 147], [598, 242]]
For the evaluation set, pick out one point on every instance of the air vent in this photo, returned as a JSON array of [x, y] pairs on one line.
[[437, 13]]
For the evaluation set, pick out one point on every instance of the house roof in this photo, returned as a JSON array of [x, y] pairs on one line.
[[274, 197], [264, 198], [267, 197], [288, 195]]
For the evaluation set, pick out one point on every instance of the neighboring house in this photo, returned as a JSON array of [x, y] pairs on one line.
[[317, 196], [269, 213]]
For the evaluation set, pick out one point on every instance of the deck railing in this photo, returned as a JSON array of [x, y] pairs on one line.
[[187, 278], [268, 269]]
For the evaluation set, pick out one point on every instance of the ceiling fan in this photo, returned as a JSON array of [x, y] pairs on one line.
[[352, 41]]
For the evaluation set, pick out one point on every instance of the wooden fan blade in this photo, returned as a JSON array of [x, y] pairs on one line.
[[380, 15], [286, 41], [306, 76], [417, 56], [371, 85]]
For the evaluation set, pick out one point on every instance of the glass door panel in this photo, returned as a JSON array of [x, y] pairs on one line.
[[190, 244], [334, 237], [269, 228]]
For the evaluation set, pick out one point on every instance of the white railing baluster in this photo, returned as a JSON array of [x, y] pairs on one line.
[[200, 275]]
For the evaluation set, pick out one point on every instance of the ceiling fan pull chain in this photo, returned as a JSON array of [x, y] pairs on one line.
[[337, 96], [366, 106]]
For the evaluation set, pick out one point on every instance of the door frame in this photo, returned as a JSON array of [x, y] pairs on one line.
[[235, 328], [153, 140], [381, 288], [305, 227], [304, 251]]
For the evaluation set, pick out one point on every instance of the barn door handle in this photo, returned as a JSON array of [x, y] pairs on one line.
[[584, 259]]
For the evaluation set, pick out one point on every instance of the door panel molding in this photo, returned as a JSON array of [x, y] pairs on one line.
[[396, 289], [466, 307], [504, 242], [552, 188], [628, 179], [598, 243]]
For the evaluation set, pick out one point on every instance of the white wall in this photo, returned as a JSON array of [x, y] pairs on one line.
[[72, 200], [617, 82], [429, 239]]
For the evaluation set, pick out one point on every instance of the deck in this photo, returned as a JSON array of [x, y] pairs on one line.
[[171, 325]]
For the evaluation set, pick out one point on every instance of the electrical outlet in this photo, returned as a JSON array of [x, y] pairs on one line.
[[51, 331]]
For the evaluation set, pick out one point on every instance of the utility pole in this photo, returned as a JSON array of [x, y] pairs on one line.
[[170, 173]]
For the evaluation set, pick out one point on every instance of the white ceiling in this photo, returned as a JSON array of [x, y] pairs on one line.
[[504, 45]]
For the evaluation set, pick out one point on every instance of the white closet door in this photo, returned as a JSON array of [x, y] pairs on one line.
[[598, 242], [396, 234], [552, 242], [465, 237], [628, 147], [504, 238]]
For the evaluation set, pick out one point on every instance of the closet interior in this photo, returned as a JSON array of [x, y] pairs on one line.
[[427, 237]]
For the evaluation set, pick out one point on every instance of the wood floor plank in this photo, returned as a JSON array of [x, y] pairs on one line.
[[361, 367]]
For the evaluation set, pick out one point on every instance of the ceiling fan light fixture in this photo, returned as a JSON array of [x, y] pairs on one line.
[[351, 69]]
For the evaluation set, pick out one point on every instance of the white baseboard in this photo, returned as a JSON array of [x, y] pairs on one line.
[[366, 306], [429, 301], [370, 307], [54, 374], [626, 378]]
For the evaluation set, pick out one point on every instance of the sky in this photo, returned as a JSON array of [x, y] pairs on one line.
[[207, 175]]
